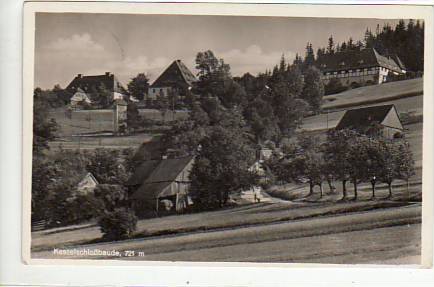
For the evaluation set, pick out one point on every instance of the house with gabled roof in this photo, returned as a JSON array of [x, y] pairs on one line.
[[88, 84], [87, 184], [363, 119], [176, 77], [80, 98], [359, 67], [157, 182]]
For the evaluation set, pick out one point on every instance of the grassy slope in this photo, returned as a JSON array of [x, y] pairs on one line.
[[374, 94], [272, 240], [396, 93], [255, 214], [99, 120]]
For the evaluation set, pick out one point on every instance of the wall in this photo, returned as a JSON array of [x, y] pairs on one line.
[[377, 75], [154, 92]]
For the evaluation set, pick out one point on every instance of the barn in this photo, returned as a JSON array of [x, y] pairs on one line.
[[161, 186], [362, 119]]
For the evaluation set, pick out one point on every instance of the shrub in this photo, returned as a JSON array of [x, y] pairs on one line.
[[398, 135], [355, 85], [334, 86], [118, 224]]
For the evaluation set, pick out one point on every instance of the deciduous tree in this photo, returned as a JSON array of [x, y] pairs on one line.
[[138, 86]]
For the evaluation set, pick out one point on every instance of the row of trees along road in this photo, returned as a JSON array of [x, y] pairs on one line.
[[345, 156]]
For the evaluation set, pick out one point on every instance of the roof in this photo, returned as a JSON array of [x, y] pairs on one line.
[[176, 74], [156, 175], [398, 62], [142, 172], [356, 60], [168, 169], [363, 117], [152, 190], [80, 96], [87, 83]]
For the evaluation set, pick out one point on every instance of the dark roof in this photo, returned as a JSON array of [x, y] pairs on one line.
[[168, 169], [356, 60], [176, 74], [152, 190], [364, 117], [155, 175], [87, 83], [142, 172], [398, 61]]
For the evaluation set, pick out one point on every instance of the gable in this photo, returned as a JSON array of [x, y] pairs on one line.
[[392, 120], [88, 181], [184, 174], [177, 74]]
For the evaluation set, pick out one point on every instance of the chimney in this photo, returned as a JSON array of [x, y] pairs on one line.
[[79, 76], [107, 73], [164, 156]]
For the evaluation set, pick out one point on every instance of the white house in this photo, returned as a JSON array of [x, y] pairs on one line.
[[359, 67]]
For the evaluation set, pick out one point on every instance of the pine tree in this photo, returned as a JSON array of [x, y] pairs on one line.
[[309, 59], [331, 46]]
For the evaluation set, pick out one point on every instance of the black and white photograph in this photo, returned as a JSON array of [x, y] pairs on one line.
[[226, 138]]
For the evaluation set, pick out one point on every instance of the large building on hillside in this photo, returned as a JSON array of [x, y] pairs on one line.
[[161, 185], [176, 76], [90, 84], [363, 119], [359, 67]]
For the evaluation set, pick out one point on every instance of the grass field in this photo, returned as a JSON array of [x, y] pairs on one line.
[[267, 240], [91, 121], [93, 142], [253, 214], [374, 94]]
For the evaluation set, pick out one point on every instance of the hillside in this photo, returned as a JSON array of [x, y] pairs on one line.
[[374, 94], [407, 96]]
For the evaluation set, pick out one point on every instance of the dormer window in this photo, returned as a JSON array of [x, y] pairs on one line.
[[360, 62], [342, 63], [323, 66]]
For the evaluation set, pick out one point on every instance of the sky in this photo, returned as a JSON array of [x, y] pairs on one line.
[[67, 44]]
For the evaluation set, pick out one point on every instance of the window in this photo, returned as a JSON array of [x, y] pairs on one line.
[[153, 90]]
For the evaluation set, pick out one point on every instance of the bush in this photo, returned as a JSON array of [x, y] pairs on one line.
[[398, 135], [355, 85], [118, 224], [334, 86]]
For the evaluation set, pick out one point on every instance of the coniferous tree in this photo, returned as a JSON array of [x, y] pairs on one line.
[[331, 46]]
